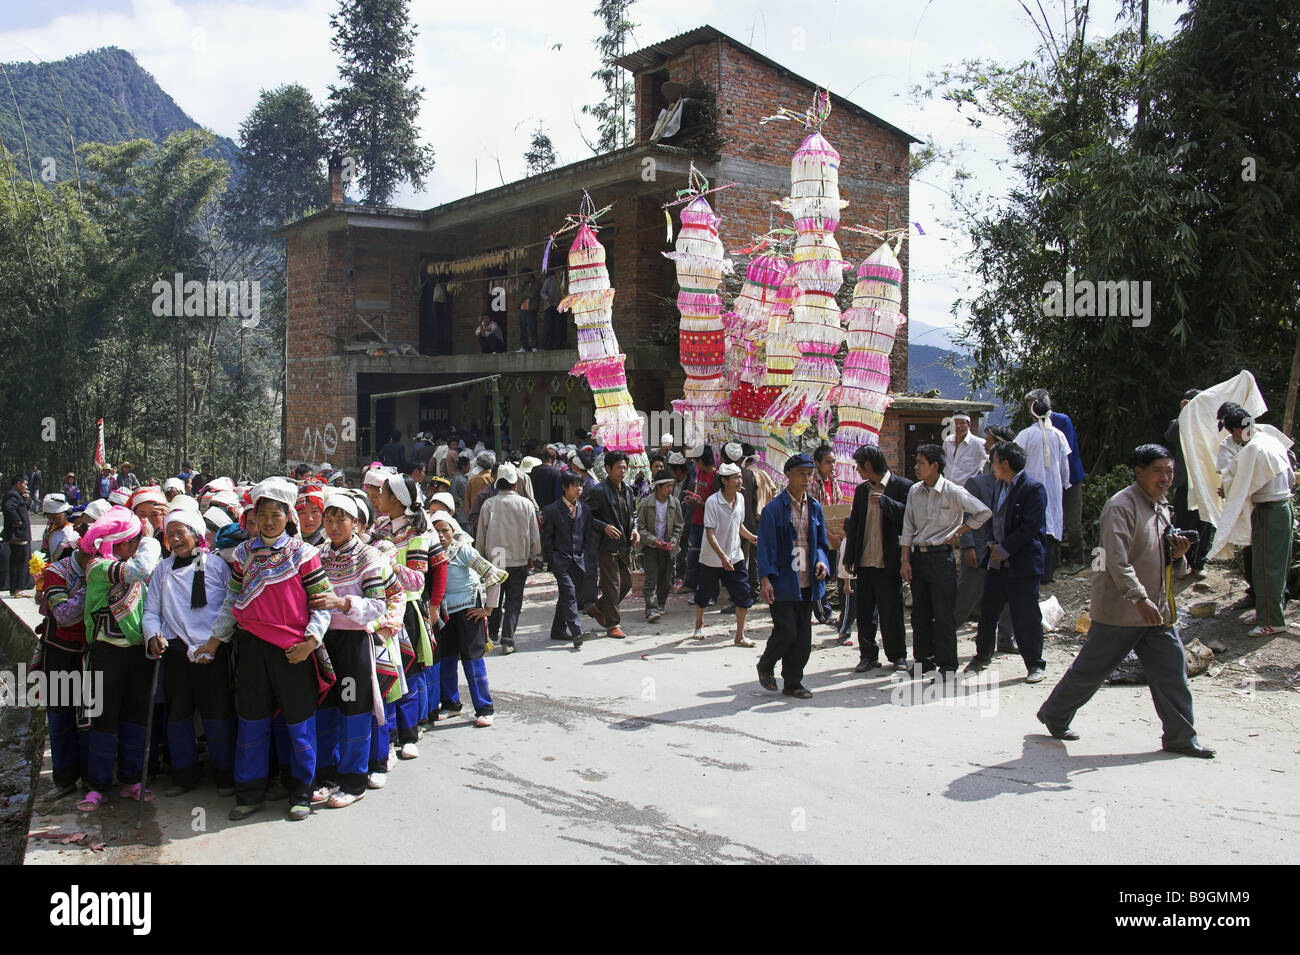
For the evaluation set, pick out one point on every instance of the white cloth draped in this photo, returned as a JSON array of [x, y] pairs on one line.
[[1047, 460]]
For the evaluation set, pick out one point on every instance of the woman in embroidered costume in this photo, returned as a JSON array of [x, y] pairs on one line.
[[465, 636], [121, 560], [420, 562], [362, 604], [276, 634], [184, 596]]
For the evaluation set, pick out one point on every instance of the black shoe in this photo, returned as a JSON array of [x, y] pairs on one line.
[[766, 679], [577, 641], [1191, 749], [1058, 732], [899, 665], [243, 812], [978, 663], [1035, 675], [865, 666], [729, 610]]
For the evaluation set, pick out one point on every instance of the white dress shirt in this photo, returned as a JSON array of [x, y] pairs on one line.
[[167, 608], [934, 514], [965, 460]]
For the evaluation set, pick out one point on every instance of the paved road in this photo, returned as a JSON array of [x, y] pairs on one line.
[[661, 749]]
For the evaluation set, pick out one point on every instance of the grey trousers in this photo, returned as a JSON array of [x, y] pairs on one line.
[[1161, 653], [658, 584], [1072, 523], [970, 591]]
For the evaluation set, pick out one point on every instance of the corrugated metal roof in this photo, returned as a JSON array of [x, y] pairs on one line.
[[653, 56]]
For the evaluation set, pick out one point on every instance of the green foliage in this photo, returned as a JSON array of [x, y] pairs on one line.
[[614, 127], [281, 164], [541, 153], [1097, 490], [372, 115], [1127, 159]]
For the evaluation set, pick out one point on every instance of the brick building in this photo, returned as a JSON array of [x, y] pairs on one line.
[[384, 300]]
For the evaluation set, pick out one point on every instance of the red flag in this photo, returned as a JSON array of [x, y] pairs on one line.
[[99, 445]]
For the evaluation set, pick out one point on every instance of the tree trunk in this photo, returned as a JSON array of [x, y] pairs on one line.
[[1288, 422]]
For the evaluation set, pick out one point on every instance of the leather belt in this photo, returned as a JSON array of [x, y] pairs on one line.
[[929, 548]]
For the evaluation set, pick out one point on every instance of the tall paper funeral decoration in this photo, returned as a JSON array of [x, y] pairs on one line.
[[591, 300], [700, 266]]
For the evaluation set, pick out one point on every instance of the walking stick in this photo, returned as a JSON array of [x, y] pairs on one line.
[[148, 738]]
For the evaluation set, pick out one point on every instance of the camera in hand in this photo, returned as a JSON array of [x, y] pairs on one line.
[[1193, 537]]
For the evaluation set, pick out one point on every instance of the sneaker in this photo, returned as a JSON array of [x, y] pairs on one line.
[[520, 351], [1036, 675], [243, 812], [408, 751], [653, 616], [899, 665], [322, 795], [299, 811], [484, 720], [844, 640], [865, 666], [376, 780], [1265, 631], [507, 648], [698, 634], [341, 800], [577, 641]]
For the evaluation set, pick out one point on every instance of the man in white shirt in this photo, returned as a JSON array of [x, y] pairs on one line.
[[1259, 477], [1047, 461], [966, 453], [181, 603], [938, 512], [721, 557]]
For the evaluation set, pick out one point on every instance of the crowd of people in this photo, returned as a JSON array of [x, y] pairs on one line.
[[315, 629]]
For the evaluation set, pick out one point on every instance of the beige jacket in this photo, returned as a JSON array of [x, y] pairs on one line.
[[508, 534], [1132, 559]]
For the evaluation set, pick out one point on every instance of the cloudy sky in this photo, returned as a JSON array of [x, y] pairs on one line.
[[491, 73]]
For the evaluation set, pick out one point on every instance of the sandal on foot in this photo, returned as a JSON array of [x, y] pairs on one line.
[[799, 692], [699, 634], [90, 802], [742, 642], [133, 792], [767, 681]]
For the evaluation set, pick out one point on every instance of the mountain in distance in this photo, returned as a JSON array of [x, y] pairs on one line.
[[930, 351], [105, 96]]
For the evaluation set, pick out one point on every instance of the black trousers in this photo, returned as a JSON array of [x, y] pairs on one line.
[[505, 618], [202, 686], [20, 578], [265, 680], [934, 599], [791, 639], [572, 580], [1001, 589], [879, 592], [1051, 559], [658, 567], [1190, 520]]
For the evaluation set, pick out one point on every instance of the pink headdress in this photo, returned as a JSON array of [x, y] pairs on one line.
[[117, 525]]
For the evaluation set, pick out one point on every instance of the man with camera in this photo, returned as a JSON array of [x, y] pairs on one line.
[[1132, 610]]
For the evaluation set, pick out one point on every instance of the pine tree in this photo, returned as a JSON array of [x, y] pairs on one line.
[[614, 127], [541, 153], [373, 114]]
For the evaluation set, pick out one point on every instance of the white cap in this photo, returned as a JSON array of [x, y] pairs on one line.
[[97, 509], [508, 473], [376, 477], [189, 517], [445, 499], [277, 489], [55, 504], [185, 501], [665, 439], [728, 470], [217, 518], [119, 495], [174, 484]]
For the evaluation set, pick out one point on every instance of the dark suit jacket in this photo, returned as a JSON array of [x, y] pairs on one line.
[[1025, 537], [984, 487], [892, 505], [565, 540], [546, 484], [608, 506]]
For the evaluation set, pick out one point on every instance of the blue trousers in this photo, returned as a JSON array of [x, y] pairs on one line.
[[267, 679], [381, 735], [117, 734], [69, 746]]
